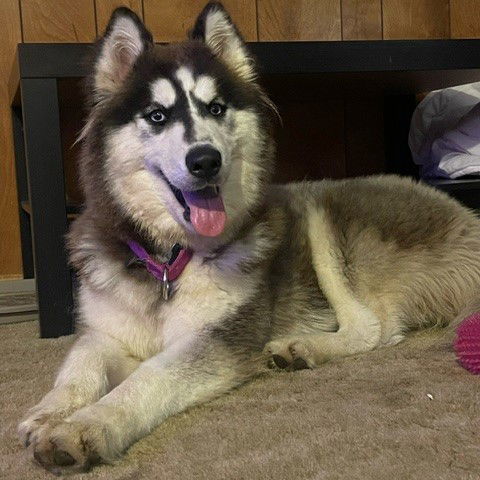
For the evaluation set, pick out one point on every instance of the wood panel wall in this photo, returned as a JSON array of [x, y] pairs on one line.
[[10, 256], [104, 9], [345, 141], [362, 19], [416, 19], [170, 20], [464, 18], [291, 20], [265, 20], [58, 20]]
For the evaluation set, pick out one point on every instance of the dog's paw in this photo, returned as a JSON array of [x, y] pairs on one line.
[[36, 418], [67, 446], [292, 353]]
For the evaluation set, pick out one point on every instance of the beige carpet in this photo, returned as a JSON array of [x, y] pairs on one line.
[[399, 413]]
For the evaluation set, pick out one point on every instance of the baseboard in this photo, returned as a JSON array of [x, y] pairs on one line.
[[16, 286], [18, 301], [18, 318]]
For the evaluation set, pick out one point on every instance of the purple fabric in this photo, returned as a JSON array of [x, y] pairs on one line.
[[157, 269]]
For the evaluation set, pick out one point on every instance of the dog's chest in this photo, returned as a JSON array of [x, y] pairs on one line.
[[203, 295]]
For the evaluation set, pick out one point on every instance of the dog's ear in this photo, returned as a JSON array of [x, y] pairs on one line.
[[124, 40], [215, 27]]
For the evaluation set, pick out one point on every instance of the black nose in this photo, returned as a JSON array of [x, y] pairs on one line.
[[204, 162]]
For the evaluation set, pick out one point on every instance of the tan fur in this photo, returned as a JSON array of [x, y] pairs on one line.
[[390, 255]]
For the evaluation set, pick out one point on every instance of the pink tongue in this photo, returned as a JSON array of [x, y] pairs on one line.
[[207, 212]]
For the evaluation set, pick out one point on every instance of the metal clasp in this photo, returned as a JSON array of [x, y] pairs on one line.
[[166, 291]]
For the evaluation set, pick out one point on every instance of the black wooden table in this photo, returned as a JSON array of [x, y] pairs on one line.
[[404, 66]]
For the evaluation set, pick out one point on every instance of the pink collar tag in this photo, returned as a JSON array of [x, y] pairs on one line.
[[164, 272]]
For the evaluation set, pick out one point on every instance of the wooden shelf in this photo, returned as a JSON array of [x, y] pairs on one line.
[[438, 63], [450, 185], [466, 190], [67, 59], [72, 210]]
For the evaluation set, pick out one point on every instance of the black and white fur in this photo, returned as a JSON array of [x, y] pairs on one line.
[[302, 273]]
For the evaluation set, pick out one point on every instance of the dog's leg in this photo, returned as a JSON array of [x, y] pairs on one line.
[[86, 374], [186, 374], [359, 328], [359, 331]]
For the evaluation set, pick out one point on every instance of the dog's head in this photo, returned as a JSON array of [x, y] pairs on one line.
[[179, 136]]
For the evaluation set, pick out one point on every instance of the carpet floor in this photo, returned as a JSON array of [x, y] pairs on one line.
[[406, 412]]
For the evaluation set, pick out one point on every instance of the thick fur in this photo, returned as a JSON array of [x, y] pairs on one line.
[[301, 274]]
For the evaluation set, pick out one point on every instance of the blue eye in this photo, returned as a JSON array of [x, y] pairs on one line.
[[157, 116], [216, 109]]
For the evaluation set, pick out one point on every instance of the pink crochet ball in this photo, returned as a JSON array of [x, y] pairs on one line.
[[467, 343]]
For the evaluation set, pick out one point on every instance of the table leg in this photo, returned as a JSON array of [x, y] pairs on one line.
[[46, 187], [22, 193]]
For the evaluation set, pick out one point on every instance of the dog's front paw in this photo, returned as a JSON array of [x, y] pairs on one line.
[[70, 446], [29, 427], [292, 353]]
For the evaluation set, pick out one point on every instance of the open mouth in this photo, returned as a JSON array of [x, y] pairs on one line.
[[203, 208]]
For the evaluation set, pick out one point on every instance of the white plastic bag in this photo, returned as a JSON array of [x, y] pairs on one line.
[[445, 132]]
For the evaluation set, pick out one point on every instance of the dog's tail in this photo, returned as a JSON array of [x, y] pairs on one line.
[[464, 313], [440, 336]]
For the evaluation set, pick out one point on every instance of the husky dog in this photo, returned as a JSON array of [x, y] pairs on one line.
[[195, 272]]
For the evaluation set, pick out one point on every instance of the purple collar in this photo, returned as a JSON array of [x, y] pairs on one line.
[[164, 272]]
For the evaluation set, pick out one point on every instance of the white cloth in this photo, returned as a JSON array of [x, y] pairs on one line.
[[445, 132]]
